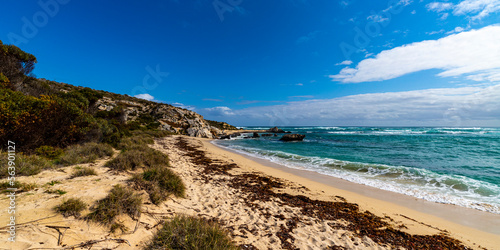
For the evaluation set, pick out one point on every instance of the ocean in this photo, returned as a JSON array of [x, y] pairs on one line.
[[458, 166]]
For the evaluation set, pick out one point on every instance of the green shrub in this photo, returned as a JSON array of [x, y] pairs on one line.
[[184, 232], [26, 165], [49, 120], [71, 207], [120, 200], [85, 171], [49, 152], [142, 156], [159, 182], [85, 153]]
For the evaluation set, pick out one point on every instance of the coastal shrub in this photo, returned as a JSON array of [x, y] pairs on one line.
[[26, 165], [71, 207], [159, 182], [49, 152], [120, 200], [85, 171], [136, 158], [85, 153], [183, 232], [32, 122]]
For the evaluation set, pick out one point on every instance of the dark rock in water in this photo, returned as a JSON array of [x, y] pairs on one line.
[[266, 135], [275, 135], [225, 137], [292, 137], [235, 135], [288, 132], [276, 130], [255, 135], [247, 137]]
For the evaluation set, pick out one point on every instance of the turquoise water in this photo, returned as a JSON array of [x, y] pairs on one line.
[[458, 166]]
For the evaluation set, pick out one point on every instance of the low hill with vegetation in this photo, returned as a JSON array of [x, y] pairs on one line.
[[37, 112]]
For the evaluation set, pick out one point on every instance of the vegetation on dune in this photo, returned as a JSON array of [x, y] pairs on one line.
[[71, 207], [159, 182], [183, 232], [85, 153], [138, 157], [21, 186], [26, 165], [120, 200], [85, 171]]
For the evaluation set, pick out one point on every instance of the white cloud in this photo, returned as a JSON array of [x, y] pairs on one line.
[[444, 16], [456, 30], [219, 111], [466, 53], [180, 105], [435, 32], [465, 106], [346, 62], [439, 6], [377, 18], [145, 97], [481, 8], [413, 12], [475, 9]]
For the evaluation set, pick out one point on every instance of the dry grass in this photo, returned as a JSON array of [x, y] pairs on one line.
[[120, 200], [183, 232], [85, 153], [85, 171], [138, 158], [71, 207], [26, 165], [159, 182]]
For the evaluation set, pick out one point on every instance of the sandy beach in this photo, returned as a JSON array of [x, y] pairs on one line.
[[260, 205]]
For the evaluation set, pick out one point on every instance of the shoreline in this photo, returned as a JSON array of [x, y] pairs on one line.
[[421, 218], [480, 220]]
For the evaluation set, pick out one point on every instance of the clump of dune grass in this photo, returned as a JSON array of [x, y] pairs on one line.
[[183, 232], [120, 200], [137, 158], [159, 182], [57, 191], [26, 165], [134, 142], [85, 153], [71, 207], [85, 171], [21, 186]]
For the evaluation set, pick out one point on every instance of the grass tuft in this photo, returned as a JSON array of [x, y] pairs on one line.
[[137, 158], [120, 200], [26, 165], [57, 191], [85, 153], [159, 182], [184, 232], [71, 207], [85, 171], [21, 186]]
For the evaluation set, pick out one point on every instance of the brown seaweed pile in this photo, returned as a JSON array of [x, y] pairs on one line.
[[258, 188]]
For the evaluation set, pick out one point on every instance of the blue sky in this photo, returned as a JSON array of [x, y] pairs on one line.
[[280, 62]]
